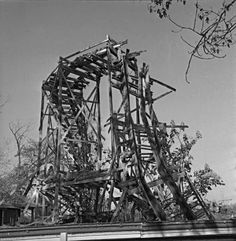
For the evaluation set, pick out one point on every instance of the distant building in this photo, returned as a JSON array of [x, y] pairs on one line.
[[9, 214]]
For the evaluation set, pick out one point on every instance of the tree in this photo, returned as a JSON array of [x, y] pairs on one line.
[[5, 160], [19, 131], [213, 29], [176, 151], [10, 188], [14, 182]]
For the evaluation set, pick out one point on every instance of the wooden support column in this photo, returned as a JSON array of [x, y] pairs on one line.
[[113, 144], [63, 237], [40, 147], [118, 208], [32, 214], [155, 145], [100, 201], [128, 116], [58, 151], [99, 128], [40, 131], [3, 216], [40, 138], [110, 95], [99, 140]]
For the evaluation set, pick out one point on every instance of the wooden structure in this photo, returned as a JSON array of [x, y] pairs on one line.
[[70, 165]]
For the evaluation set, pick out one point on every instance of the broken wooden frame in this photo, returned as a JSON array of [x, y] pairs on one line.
[[71, 131]]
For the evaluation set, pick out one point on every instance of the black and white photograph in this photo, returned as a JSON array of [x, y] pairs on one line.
[[117, 120]]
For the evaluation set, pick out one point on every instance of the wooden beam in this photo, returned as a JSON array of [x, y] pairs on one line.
[[163, 84], [63, 237], [118, 207]]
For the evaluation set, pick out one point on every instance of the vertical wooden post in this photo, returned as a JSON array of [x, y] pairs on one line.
[[110, 94], [49, 113], [43, 207], [99, 128], [58, 150], [96, 194], [138, 110], [63, 237], [99, 150], [40, 134], [40, 131], [32, 214], [3, 213], [40, 145], [155, 146], [111, 113]]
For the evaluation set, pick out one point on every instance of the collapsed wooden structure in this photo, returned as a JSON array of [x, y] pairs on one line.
[[73, 173]]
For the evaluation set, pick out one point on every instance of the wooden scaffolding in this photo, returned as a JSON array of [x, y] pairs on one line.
[[75, 175]]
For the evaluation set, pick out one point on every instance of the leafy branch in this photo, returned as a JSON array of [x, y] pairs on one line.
[[214, 30]]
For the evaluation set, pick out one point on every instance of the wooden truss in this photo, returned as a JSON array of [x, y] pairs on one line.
[[71, 154]]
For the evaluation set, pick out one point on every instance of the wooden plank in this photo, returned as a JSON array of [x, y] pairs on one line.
[[120, 43], [78, 140], [200, 213], [99, 125], [86, 49], [161, 96], [131, 85], [132, 92], [118, 207], [79, 73], [63, 237], [89, 180], [83, 64], [80, 80], [156, 81], [163, 84], [101, 66], [150, 184], [113, 51], [154, 203], [161, 165], [100, 201], [127, 183], [97, 58]]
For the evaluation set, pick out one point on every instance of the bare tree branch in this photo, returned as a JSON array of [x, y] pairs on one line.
[[2, 102], [214, 29], [19, 132]]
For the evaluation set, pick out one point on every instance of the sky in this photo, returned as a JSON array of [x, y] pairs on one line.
[[33, 34]]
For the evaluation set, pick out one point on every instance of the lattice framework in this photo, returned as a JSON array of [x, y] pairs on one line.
[[71, 141]]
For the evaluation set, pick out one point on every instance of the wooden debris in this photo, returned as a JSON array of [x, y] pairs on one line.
[[82, 178]]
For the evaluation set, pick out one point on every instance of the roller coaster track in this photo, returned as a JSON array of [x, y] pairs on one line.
[[71, 111]]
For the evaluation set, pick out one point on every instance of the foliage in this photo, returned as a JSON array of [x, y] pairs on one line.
[[19, 132], [12, 179], [161, 7], [205, 179], [176, 151], [213, 29], [13, 183], [5, 160], [223, 209], [10, 192], [178, 147]]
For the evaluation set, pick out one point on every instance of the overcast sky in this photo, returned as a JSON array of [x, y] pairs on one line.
[[33, 34]]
